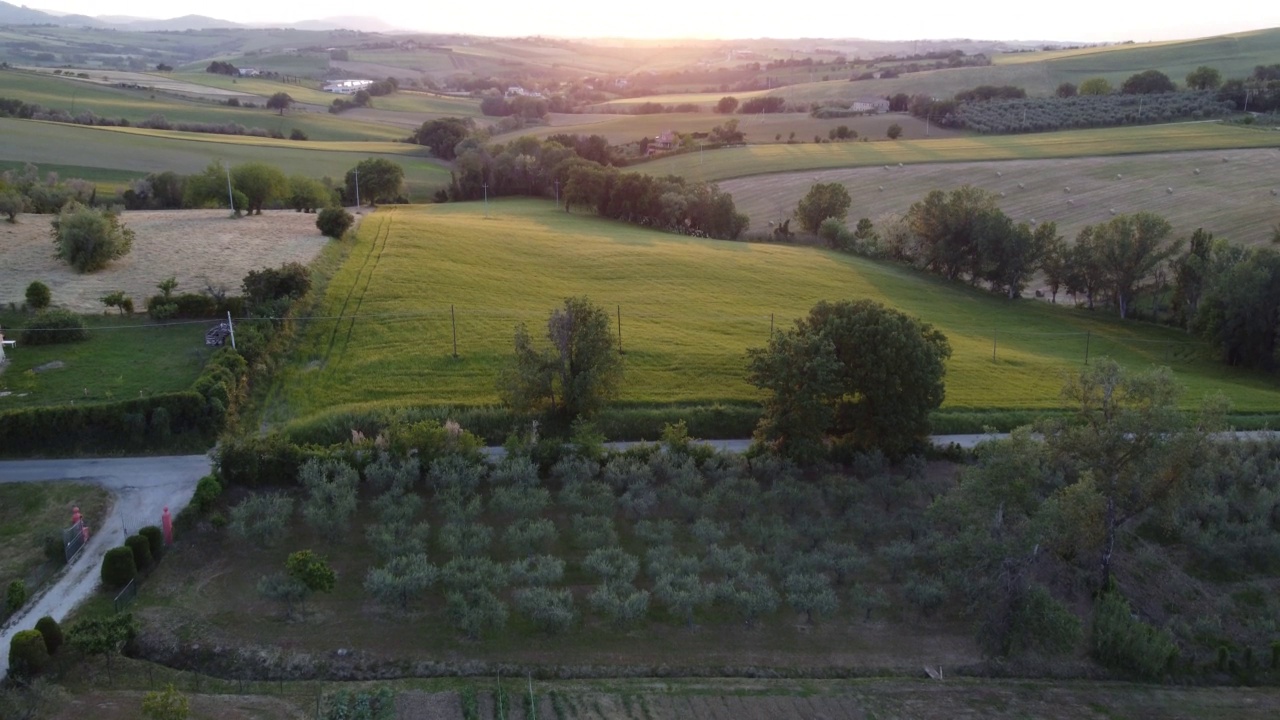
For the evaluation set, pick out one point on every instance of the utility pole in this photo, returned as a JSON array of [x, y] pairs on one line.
[[231, 198], [486, 200], [231, 326], [557, 193]]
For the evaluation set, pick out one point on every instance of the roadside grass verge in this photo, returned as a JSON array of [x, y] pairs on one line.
[[689, 311]]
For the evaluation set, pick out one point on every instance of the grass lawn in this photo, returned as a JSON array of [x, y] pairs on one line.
[[690, 309], [141, 151], [125, 358], [29, 511], [758, 159]]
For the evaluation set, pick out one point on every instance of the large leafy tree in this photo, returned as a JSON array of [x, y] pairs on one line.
[[949, 228], [576, 375], [443, 135], [260, 183], [380, 180], [1147, 82], [1095, 86], [1240, 310], [1204, 78], [853, 371], [824, 200], [1131, 248], [280, 101]]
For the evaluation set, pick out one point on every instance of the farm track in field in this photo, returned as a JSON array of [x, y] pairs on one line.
[[375, 253]]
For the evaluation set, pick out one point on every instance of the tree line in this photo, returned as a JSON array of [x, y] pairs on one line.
[[1228, 294], [576, 170]]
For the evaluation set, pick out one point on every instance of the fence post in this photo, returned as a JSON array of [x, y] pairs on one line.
[[453, 318], [620, 350], [770, 326], [1087, 337], [994, 336]]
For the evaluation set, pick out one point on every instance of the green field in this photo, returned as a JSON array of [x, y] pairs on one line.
[[757, 159], [138, 105], [690, 309], [140, 152], [127, 357]]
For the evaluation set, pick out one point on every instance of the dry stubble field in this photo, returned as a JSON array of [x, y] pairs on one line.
[[1233, 198], [198, 247]]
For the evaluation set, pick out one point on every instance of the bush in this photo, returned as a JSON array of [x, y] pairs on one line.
[[38, 295], [1124, 643], [15, 596], [50, 327], [141, 548], [262, 520], [207, 491], [55, 551], [155, 539], [88, 239], [118, 567], [334, 222], [52, 632], [27, 653]]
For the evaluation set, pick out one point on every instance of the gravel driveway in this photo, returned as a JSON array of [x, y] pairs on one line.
[[142, 487]]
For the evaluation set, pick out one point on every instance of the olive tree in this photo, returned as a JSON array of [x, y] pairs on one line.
[[331, 496], [88, 239]]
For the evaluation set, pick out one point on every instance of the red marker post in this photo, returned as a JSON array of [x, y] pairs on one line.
[[166, 524]]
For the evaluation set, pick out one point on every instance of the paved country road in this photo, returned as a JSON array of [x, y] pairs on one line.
[[142, 488]]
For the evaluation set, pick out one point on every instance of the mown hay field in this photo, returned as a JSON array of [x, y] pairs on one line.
[[689, 310], [759, 159], [1229, 193], [767, 128]]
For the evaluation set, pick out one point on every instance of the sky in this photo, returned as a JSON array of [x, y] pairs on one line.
[[1077, 20]]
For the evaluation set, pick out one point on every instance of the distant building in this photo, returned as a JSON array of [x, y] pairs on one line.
[[668, 140], [250, 72], [346, 87], [871, 104], [517, 91]]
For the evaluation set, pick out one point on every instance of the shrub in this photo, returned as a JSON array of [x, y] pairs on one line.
[[54, 326], [155, 539], [55, 551], [207, 491], [141, 549], [118, 567], [27, 653], [52, 633], [88, 239], [334, 222], [38, 295], [1124, 643], [15, 596], [550, 610]]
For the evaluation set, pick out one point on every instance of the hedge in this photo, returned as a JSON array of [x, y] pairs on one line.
[[52, 633], [155, 538], [141, 549]]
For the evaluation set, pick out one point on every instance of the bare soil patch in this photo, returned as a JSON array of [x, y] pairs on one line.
[[198, 247]]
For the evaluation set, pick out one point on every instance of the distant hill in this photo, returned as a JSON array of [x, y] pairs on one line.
[[21, 15], [346, 22], [186, 22]]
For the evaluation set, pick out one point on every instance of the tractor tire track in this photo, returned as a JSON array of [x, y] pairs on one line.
[[337, 323], [385, 232]]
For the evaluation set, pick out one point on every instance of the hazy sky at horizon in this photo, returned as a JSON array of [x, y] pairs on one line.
[[1081, 20]]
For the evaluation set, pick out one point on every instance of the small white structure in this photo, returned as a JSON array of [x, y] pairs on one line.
[[871, 104], [249, 72], [346, 87], [5, 344]]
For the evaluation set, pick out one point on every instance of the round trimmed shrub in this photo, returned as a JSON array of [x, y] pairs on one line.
[[27, 653], [52, 633], [55, 551], [118, 567], [38, 295], [334, 222], [207, 491], [54, 326], [155, 538], [141, 548]]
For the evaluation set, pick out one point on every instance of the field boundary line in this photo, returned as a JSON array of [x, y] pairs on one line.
[[385, 232]]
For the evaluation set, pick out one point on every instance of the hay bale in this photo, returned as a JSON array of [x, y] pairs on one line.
[[1066, 189], [1119, 176], [1021, 186], [1196, 171], [1169, 190]]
